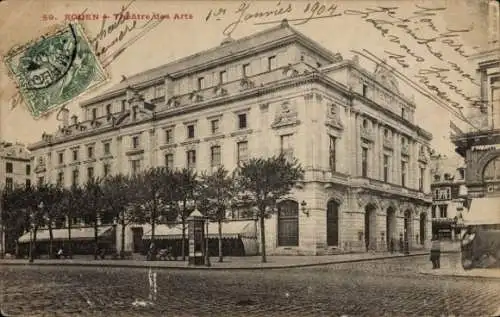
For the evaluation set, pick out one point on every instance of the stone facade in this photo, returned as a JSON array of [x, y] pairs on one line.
[[277, 91], [449, 203], [15, 165], [481, 147]]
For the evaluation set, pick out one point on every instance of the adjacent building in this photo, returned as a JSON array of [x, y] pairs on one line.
[[449, 196], [367, 175], [15, 165], [15, 170], [481, 145]]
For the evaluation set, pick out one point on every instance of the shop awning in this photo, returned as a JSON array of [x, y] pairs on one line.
[[62, 234], [230, 230], [483, 211]]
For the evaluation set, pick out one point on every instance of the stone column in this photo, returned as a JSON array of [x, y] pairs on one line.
[[357, 143]]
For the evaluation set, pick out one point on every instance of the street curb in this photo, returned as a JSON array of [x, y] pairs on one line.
[[202, 268], [460, 276]]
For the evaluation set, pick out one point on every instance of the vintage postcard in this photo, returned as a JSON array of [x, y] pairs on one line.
[[250, 158]]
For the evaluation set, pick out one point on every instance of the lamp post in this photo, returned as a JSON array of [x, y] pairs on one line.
[[207, 257], [303, 204]]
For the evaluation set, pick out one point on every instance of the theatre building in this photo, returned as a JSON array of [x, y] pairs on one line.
[[367, 179]]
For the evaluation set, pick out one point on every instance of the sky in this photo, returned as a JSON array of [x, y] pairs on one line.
[[425, 42]]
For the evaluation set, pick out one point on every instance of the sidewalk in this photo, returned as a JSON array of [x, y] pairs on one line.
[[238, 263], [451, 266]]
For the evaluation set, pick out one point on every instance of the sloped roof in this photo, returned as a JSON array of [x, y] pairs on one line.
[[227, 49]]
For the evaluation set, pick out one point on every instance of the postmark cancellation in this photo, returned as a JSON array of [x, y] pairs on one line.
[[55, 68]]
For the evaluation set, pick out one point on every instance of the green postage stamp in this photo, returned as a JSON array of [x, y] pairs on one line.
[[54, 69]]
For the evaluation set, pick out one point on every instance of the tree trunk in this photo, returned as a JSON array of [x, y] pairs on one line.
[[122, 249], [33, 245], [70, 249], [221, 259], [152, 256], [96, 239], [183, 242], [51, 240], [262, 237]]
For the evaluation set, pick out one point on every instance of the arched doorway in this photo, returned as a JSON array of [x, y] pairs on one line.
[[332, 223], [288, 223], [423, 233], [370, 227], [390, 228], [407, 227]]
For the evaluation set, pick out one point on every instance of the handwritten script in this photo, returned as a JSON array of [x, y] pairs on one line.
[[435, 54], [121, 31]]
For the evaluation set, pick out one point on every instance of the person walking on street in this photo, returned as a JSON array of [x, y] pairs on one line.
[[435, 253]]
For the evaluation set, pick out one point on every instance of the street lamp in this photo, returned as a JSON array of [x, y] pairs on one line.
[[207, 257], [303, 204]]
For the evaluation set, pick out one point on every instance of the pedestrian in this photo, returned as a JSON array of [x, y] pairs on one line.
[[435, 253], [60, 253]]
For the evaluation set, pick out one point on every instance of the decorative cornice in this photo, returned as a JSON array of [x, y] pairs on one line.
[[242, 132], [168, 146], [189, 142], [134, 152], [214, 137]]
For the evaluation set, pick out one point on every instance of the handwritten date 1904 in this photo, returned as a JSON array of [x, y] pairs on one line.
[[244, 13]]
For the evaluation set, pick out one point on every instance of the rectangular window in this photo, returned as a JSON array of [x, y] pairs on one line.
[[421, 179], [94, 114], [443, 211], [9, 167], [364, 162], [332, 154], [286, 146], [403, 113], [365, 90], [107, 148], [191, 159], [386, 168], [190, 131], [124, 104], [90, 173], [242, 151], [60, 178], [108, 109], [246, 70], [61, 158], [403, 173], [201, 83], [75, 177], [9, 183], [28, 183], [215, 156], [242, 121], [169, 138], [41, 180], [135, 142], [159, 91], [433, 211], [214, 126], [106, 169], [90, 152], [135, 166], [222, 77], [75, 155], [28, 169], [271, 63], [169, 161]]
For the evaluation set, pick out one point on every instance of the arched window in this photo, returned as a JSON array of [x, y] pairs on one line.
[[492, 170], [288, 223], [332, 223]]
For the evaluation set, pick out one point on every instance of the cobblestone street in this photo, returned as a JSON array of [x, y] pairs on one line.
[[374, 288]]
